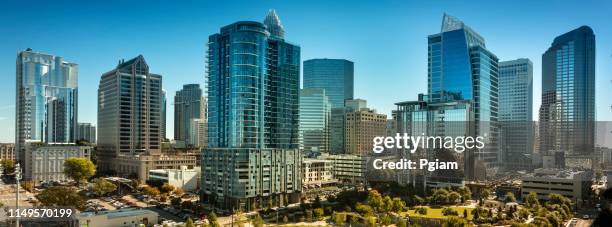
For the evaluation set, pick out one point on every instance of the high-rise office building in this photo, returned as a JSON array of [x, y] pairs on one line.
[[337, 125], [252, 157], [129, 113], [515, 113], [188, 105], [567, 114], [87, 132], [315, 119], [46, 100], [164, 107], [333, 75], [461, 68]]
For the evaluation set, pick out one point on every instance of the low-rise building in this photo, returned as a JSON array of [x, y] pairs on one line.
[[317, 173], [347, 168], [7, 151], [118, 218], [571, 184], [45, 162], [139, 165], [184, 178]]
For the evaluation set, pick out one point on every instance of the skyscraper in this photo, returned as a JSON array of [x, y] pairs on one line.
[[129, 113], [333, 75], [87, 132], [188, 105], [515, 113], [164, 107], [253, 92], [361, 126], [46, 100], [461, 68], [315, 117], [567, 114], [337, 125]]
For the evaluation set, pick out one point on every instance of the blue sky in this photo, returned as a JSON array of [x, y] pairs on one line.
[[386, 40]]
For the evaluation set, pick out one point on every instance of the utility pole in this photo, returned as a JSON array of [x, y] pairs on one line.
[[17, 178]]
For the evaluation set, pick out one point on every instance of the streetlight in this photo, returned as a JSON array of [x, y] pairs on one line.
[[17, 178]]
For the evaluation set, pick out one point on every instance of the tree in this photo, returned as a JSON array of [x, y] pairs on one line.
[[440, 196], [484, 194], [79, 169], [540, 221], [510, 198], [61, 196], [401, 223], [421, 210], [150, 191], [417, 200], [319, 213], [258, 221], [397, 205], [375, 200], [387, 204], [385, 220], [454, 222], [454, 197], [465, 192], [8, 166], [532, 199], [554, 198], [166, 188], [364, 209], [340, 219], [212, 217], [101, 186], [189, 223]]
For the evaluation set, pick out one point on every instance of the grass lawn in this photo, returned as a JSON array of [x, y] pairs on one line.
[[437, 212]]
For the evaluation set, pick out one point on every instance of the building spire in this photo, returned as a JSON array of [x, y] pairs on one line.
[[274, 25]]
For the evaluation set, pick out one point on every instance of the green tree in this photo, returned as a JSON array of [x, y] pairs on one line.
[[212, 218], [541, 221], [340, 219], [532, 199], [465, 192], [370, 221], [387, 204], [440, 196], [319, 213], [375, 200], [189, 223], [257, 221], [364, 209], [417, 200], [454, 222], [454, 197], [485, 193], [401, 223], [421, 210], [101, 186], [8, 166], [510, 198], [554, 198], [398, 205], [385, 220], [61, 196], [79, 169]]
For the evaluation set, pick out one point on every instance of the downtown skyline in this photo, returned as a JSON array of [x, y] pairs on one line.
[[183, 63]]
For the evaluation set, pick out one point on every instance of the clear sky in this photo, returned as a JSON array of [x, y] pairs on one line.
[[387, 40]]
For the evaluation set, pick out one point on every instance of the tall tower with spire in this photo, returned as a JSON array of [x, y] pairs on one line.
[[274, 25]]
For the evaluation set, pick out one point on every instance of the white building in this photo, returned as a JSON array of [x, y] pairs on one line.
[[45, 162], [317, 173], [347, 168], [184, 178], [571, 184], [118, 218]]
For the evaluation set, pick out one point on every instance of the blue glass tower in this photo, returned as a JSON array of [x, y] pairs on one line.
[[253, 103], [567, 114], [47, 100], [333, 75], [461, 68], [187, 106]]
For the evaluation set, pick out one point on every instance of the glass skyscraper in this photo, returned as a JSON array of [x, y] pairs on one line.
[[515, 113], [333, 75], [461, 68], [315, 119], [253, 155], [46, 100], [567, 114], [188, 105]]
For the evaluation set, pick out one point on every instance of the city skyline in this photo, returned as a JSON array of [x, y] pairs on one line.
[[345, 39]]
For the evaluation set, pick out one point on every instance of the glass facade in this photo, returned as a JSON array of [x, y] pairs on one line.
[[46, 100], [567, 114], [315, 119], [253, 152], [188, 105], [461, 68], [515, 113], [333, 75]]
